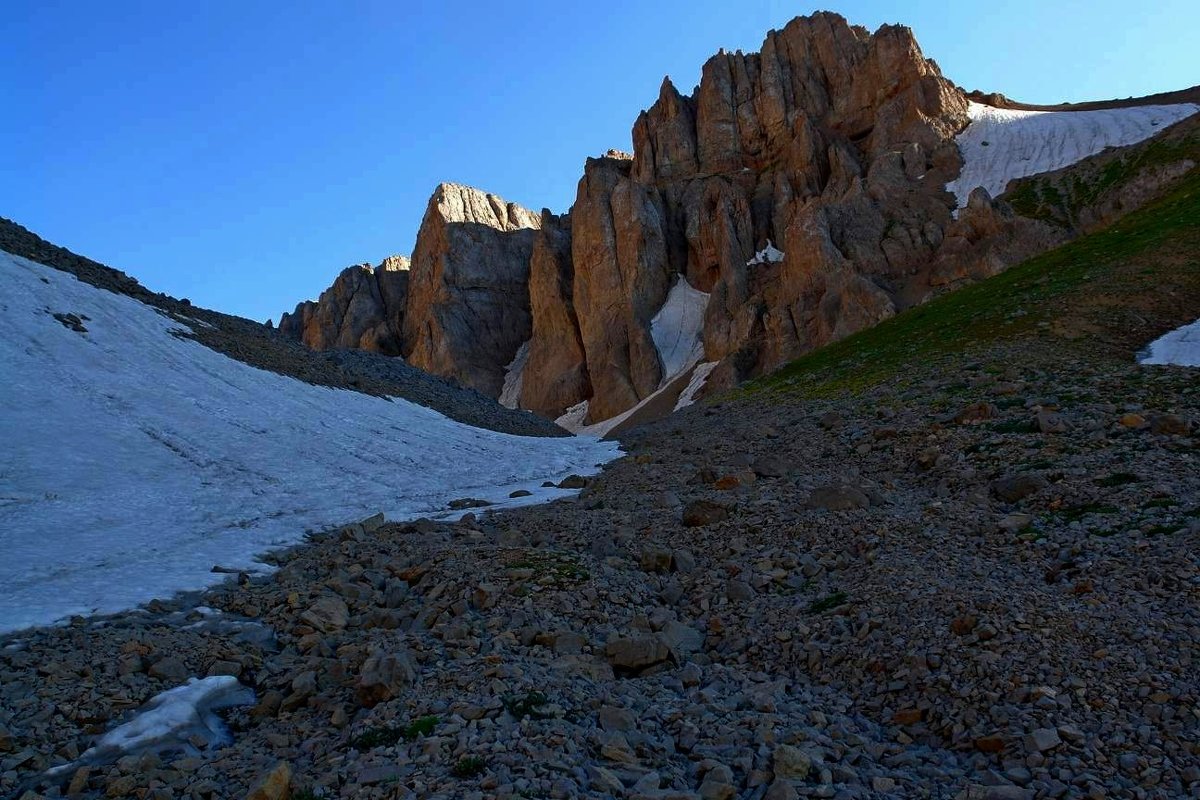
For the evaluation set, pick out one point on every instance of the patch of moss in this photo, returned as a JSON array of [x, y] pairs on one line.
[[389, 735], [468, 767], [526, 705], [827, 603]]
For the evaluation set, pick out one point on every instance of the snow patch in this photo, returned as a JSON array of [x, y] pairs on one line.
[[677, 329], [134, 460], [1001, 144], [1180, 347], [695, 384], [768, 255], [572, 419], [172, 720], [514, 374]]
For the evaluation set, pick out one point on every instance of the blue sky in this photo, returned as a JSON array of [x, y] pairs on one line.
[[241, 153]]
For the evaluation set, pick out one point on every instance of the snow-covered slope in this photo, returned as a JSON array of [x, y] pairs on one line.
[[677, 329], [1180, 347], [514, 377], [133, 460], [1003, 144]]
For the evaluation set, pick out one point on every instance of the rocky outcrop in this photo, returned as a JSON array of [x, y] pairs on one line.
[[556, 373], [622, 276], [363, 310], [802, 188], [832, 141], [468, 298]]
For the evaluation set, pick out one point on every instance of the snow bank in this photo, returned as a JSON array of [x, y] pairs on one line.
[[677, 329], [134, 460], [172, 720], [1180, 347], [698, 379], [1003, 144], [768, 255], [514, 374]]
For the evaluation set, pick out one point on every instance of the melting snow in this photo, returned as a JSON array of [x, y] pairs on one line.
[[677, 329], [1002, 144], [172, 720], [1180, 347], [695, 384], [768, 255], [514, 374], [134, 460]]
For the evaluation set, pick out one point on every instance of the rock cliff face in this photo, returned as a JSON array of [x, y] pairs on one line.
[[468, 298], [556, 373], [802, 189], [363, 310]]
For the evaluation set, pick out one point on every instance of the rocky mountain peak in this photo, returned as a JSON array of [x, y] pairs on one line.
[[797, 195], [456, 203]]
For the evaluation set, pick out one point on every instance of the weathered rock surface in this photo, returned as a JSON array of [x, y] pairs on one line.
[[556, 373], [362, 310], [622, 276], [468, 298], [832, 143]]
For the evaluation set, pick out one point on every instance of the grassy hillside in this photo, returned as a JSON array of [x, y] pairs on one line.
[[1105, 294]]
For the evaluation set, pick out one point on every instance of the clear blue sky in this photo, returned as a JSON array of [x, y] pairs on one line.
[[241, 153]]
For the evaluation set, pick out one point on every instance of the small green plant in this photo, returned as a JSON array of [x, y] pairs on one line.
[[468, 767], [559, 568], [827, 603], [1075, 513], [1160, 502], [526, 705], [1117, 479], [389, 735], [1013, 426]]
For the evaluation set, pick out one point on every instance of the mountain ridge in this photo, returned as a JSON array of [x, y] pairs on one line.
[[832, 142]]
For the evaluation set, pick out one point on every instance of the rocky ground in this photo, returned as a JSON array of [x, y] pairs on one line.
[[265, 348], [979, 581], [952, 557]]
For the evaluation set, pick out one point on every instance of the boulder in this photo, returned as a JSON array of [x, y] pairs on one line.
[[632, 654], [383, 675], [363, 310], [327, 615], [699, 513]]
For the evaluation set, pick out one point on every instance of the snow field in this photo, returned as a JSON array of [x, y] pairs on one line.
[[135, 460], [1000, 145]]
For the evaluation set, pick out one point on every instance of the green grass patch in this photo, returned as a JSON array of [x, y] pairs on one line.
[[1008, 305], [389, 735]]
